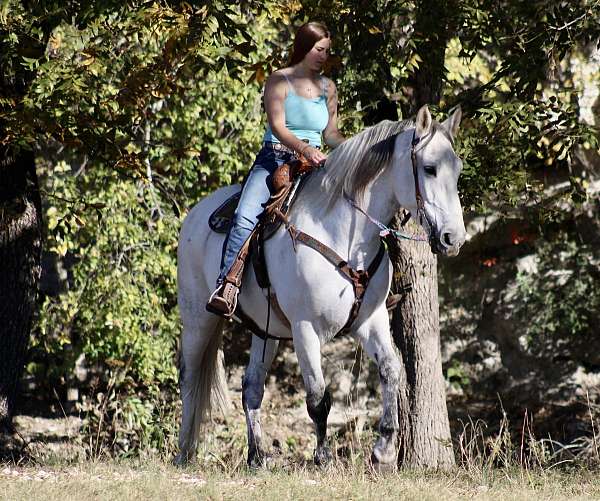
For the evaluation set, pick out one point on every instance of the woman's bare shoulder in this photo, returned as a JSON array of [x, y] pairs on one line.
[[328, 82], [276, 79], [281, 74], [283, 71], [330, 86]]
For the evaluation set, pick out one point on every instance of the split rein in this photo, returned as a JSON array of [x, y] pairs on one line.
[[386, 230]]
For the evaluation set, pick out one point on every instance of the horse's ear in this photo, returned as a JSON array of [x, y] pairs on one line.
[[452, 123], [423, 121]]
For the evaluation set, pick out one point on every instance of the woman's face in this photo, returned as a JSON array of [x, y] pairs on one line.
[[316, 57]]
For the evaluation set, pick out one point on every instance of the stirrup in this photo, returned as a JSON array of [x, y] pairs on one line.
[[223, 301]]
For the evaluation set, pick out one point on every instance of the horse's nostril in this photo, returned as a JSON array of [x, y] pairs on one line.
[[446, 239]]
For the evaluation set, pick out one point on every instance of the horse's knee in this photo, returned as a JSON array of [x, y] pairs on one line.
[[252, 390], [319, 405], [390, 371]]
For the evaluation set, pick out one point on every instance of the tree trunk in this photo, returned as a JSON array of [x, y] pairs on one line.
[[424, 435], [425, 430], [20, 255]]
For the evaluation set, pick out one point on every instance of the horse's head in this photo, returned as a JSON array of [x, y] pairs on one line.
[[433, 194]]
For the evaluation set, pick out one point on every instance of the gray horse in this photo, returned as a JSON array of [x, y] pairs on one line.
[[409, 164]]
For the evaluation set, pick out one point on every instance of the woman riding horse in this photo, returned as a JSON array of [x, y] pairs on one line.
[[321, 262], [301, 107]]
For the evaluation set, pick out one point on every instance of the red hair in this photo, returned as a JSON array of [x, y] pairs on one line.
[[306, 37]]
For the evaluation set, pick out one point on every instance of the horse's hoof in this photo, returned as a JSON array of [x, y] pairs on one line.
[[322, 456], [181, 459], [383, 468], [259, 460]]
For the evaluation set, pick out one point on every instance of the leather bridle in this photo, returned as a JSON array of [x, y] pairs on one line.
[[413, 157], [423, 219]]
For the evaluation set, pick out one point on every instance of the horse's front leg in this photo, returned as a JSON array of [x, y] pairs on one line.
[[253, 389], [318, 397], [377, 341]]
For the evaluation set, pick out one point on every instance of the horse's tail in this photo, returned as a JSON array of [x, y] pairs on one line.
[[202, 377], [203, 388], [212, 384]]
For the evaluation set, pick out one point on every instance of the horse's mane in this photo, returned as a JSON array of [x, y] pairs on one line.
[[356, 162]]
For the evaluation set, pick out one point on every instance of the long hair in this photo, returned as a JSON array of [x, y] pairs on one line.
[[306, 37]]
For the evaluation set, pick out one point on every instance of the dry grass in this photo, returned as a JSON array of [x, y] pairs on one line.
[[502, 466], [153, 479]]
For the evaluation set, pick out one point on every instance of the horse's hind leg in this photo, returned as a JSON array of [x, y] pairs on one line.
[[318, 398], [262, 354], [377, 342]]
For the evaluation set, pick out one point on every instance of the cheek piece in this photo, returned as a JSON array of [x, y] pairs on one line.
[[423, 219]]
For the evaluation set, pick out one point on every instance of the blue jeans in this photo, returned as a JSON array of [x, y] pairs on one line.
[[256, 191]]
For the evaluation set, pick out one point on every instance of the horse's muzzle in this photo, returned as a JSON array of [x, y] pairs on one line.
[[446, 244]]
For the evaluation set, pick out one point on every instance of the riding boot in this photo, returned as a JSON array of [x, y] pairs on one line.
[[223, 300]]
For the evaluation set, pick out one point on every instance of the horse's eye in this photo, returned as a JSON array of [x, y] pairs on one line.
[[430, 170]]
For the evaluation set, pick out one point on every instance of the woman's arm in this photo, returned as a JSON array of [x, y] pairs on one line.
[[275, 94], [331, 134]]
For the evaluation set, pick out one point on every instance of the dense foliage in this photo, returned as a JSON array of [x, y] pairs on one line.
[[128, 144], [559, 302], [138, 110]]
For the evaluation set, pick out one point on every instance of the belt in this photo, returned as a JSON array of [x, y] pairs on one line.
[[278, 147], [281, 147]]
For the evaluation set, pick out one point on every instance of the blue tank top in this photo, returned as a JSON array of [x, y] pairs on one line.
[[306, 118]]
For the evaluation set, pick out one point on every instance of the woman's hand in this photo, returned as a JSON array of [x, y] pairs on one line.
[[314, 155]]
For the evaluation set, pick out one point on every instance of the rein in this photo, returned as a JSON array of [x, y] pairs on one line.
[[386, 230]]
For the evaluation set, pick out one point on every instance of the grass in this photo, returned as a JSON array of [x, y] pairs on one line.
[[500, 465], [491, 467], [154, 479]]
